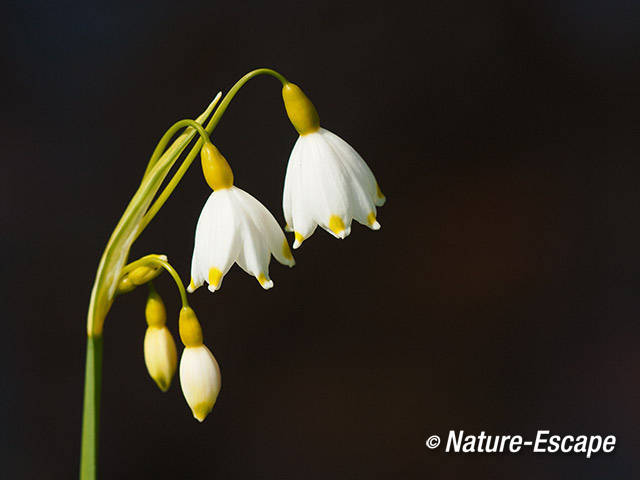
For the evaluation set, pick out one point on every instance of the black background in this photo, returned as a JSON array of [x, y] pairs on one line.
[[501, 293]]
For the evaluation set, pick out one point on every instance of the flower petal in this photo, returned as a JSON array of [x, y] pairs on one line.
[[216, 245], [290, 179], [268, 227], [328, 184], [362, 206], [200, 380], [254, 254], [357, 167]]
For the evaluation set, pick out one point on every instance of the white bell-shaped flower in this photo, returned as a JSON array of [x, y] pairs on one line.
[[200, 380], [200, 376], [233, 227], [327, 182]]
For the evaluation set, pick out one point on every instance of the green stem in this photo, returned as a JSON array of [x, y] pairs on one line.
[[162, 144], [211, 125], [104, 288], [217, 115], [115, 253], [157, 260], [91, 409], [176, 278], [136, 217]]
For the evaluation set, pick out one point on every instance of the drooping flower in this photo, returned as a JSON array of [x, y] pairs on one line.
[[200, 376], [160, 356], [233, 227], [327, 181]]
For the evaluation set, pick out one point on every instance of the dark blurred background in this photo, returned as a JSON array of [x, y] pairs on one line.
[[500, 295]]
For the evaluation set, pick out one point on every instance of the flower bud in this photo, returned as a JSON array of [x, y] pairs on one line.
[[160, 355], [200, 380], [143, 274], [139, 276], [125, 285]]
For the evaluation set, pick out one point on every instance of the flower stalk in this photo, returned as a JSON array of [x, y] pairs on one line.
[[135, 218], [91, 408]]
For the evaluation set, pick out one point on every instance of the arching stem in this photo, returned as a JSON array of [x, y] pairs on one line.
[[159, 261], [135, 218], [162, 144], [211, 125]]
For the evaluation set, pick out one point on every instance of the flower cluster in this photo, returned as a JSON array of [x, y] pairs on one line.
[[199, 371], [327, 184]]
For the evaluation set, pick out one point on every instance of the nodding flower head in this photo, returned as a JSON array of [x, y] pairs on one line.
[[327, 182], [233, 227], [199, 371], [160, 355]]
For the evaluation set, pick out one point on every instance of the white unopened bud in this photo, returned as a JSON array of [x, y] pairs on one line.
[[160, 355], [200, 379]]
